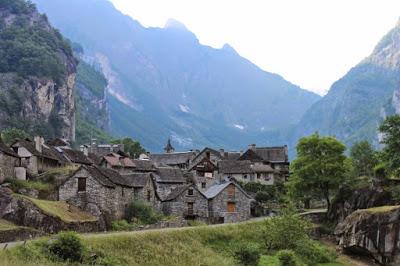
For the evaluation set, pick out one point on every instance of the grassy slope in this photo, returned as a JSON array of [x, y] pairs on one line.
[[6, 226], [62, 210], [210, 245]]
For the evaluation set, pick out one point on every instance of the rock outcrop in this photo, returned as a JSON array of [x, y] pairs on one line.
[[373, 232], [349, 201], [23, 212]]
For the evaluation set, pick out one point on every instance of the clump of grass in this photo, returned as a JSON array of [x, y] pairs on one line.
[[381, 209], [7, 226], [196, 223], [16, 185], [123, 225]]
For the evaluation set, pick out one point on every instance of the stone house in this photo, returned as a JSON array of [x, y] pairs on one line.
[[72, 157], [144, 188], [214, 156], [247, 171], [118, 162], [228, 202], [204, 172], [36, 156], [167, 179], [9, 162], [102, 149], [186, 201], [276, 157], [102, 192]]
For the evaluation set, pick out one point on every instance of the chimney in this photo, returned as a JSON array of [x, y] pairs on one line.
[[252, 147], [38, 143]]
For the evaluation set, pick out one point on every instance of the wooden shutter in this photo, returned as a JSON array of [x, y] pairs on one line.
[[231, 207]]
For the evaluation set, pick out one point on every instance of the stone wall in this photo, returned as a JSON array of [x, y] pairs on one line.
[[164, 189], [179, 206], [7, 164], [148, 194], [218, 206]]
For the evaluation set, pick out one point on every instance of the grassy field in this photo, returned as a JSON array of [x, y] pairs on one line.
[[204, 245], [64, 211]]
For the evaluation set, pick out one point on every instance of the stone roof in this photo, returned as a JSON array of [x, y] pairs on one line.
[[235, 167], [96, 160], [76, 156], [217, 188], [7, 150], [262, 168], [144, 165], [116, 160], [47, 152], [176, 192], [137, 180], [99, 175], [174, 158], [273, 154], [169, 175]]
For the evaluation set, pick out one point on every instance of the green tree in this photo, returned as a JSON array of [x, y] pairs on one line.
[[8, 135], [319, 168], [363, 158], [131, 146], [390, 130]]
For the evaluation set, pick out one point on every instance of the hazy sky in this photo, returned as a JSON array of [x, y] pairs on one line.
[[311, 43]]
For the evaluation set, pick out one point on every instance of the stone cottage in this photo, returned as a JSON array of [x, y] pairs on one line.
[[9, 162], [276, 157], [36, 156], [205, 172], [214, 156], [186, 201], [144, 188], [118, 162], [102, 192], [247, 171], [181, 160], [167, 179], [228, 202]]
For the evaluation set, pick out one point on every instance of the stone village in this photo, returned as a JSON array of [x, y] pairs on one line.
[[193, 185]]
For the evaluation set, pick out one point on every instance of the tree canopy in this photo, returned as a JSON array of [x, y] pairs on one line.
[[363, 158], [132, 147], [319, 169], [390, 130]]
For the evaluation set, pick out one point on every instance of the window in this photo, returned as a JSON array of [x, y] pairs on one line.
[[123, 192], [208, 154], [190, 192], [231, 207], [245, 176], [231, 190], [203, 185], [258, 175], [81, 184], [208, 175]]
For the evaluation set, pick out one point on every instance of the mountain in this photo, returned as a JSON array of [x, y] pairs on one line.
[[162, 82], [37, 73], [357, 103]]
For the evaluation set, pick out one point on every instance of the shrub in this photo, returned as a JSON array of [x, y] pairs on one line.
[[313, 253], [122, 225], [287, 257], [68, 247], [247, 254], [142, 212], [284, 232]]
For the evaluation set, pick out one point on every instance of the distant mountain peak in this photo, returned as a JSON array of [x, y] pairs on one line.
[[229, 48], [175, 24]]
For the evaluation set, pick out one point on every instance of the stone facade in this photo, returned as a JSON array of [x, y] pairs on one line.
[[148, 193], [106, 201], [7, 166], [193, 205], [228, 207]]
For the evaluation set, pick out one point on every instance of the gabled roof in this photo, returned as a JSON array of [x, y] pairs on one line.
[[235, 167], [205, 160], [169, 175], [116, 160], [174, 158], [76, 156], [217, 188], [138, 180], [96, 160], [144, 165], [97, 174], [47, 152], [176, 192], [268, 154]]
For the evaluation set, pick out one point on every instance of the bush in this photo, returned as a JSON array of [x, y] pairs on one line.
[[287, 257], [284, 232], [313, 252], [68, 247], [122, 225], [142, 212], [247, 254]]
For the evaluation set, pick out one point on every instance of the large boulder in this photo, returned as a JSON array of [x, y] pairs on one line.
[[348, 201], [374, 232]]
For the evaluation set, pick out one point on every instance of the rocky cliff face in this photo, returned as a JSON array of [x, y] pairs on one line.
[[37, 73], [374, 232]]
